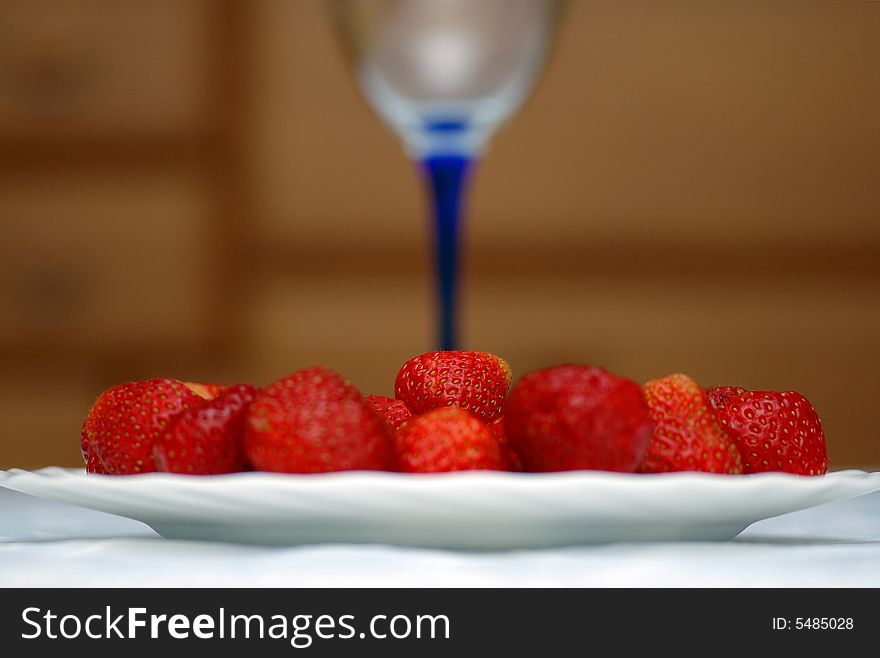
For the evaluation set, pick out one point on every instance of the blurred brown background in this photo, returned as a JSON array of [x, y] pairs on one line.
[[195, 189]]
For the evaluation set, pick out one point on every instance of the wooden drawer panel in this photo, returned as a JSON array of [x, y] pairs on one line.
[[103, 261], [366, 329], [102, 66], [42, 410], [729, 122], [817, 336]]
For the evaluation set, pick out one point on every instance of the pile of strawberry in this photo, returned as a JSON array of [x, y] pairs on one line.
[[452, 411]]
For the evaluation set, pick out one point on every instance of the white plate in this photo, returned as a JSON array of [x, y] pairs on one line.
[[469, 510]]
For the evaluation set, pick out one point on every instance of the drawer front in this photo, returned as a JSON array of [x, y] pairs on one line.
[[102, 66], [110, 262], [659, 123], [42, 411], [815, 335]]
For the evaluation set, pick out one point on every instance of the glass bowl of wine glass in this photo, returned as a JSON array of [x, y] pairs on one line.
[[444, 75]]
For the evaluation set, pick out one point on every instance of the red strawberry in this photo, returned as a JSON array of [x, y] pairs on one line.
[[315, 383], [447, 439], [207, 391], [577, 417], [93, 463], [774, 431], [207, 439], [498, 431], [475, 381], [394, 412], [126, 421], [315, 421], [719, 395], [687, 435]]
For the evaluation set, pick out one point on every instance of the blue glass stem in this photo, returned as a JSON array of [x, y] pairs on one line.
[[447, 176]]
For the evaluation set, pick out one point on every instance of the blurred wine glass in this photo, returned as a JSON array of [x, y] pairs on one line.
[[444, 75]]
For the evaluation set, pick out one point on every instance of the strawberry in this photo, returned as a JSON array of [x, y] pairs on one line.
[[498, 431], [577, 417], [315, 421], [126, 421], [687, 435], [315, 383], [207, 391], [207, 439], [719, 395], [394, 412], [93, 463], [774, 431], [475, 381], [447, 439]]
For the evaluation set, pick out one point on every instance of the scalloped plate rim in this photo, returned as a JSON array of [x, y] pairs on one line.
[[470, 510]]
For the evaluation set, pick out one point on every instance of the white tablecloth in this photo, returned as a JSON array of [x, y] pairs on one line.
[[52, 544]]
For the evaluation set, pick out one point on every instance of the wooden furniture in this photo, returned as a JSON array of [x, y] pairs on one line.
[[195, 188]]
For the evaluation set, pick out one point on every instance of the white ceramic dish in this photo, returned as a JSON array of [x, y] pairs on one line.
[[467, 510]]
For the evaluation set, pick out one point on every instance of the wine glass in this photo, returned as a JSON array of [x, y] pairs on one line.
[[444, 75]]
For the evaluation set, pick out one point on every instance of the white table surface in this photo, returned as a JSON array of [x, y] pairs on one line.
[[52, 544]]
